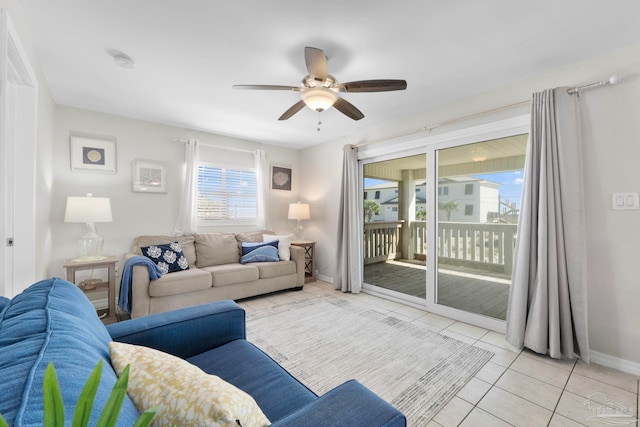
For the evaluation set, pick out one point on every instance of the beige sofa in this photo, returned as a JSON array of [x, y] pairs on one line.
[[215, 273]]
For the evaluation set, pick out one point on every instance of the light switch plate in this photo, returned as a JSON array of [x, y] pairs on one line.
[[624, 201]]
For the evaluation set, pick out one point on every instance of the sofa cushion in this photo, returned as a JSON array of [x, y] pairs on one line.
[[275, 269], [182, 392], [216, 249], [230, 274], [242, 364], [168, 257], [186, 243], [53, 321], [180, 282]]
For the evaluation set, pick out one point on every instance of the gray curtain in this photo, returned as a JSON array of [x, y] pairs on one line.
[[547, 310], [348, 275]]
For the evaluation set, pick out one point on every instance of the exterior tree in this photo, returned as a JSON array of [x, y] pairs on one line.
[[371, 208], [449, 207], [421, 215]]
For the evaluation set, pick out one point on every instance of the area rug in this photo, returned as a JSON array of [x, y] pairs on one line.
[[328, 340]]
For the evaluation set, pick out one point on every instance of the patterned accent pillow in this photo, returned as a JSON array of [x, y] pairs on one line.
[[184, 394], [259, 252], [168, 257]]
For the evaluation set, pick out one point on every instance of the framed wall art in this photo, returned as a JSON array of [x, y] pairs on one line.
[[280, 178], [92, 155], [149, 177]]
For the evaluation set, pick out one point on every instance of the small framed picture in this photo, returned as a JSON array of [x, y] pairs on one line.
[[92, 155], [149, 177], [280, 178]]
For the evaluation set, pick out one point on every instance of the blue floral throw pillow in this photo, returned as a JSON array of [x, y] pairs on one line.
[[259, 252], [168, 257]]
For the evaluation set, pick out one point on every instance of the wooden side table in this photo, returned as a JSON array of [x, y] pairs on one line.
[[309, 259], [109, 262]]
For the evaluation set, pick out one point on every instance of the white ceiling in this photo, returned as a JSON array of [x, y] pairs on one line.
[[188, 54]]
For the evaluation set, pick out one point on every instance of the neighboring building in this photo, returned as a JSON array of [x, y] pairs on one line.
[[478, 200]]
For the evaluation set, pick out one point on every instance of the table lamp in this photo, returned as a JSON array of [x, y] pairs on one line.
[[89, 210], [298, 211]]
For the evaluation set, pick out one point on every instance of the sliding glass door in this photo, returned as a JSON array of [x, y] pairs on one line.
[[395, 206], [440, 222], [478, 205]]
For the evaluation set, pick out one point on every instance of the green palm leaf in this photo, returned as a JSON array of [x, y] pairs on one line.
[[53, 406], [111, 410], [82, 413]]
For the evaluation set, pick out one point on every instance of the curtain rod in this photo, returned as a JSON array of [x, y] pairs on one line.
[[208, 144], [614, 79]]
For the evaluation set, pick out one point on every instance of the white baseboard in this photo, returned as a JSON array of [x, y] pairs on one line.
[[324, 278], [615, 362]]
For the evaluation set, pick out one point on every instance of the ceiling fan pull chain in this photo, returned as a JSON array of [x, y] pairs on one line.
[[319, 122]]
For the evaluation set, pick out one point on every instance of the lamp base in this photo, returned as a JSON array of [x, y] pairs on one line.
[[298, 232], [90, 247]]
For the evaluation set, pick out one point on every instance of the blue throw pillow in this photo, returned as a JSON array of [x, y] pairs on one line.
[[248, 247], [259, 252], [169, 257]]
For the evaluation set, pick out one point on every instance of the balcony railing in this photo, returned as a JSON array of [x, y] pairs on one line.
[[382, 241], [478, 245]]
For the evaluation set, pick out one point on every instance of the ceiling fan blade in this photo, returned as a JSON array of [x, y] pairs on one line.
[[292, 110], [316, 62], [372, 86], [348, 109], [268, 87]]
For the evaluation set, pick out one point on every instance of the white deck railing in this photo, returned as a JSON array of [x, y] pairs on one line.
[[382, 241], [478, 245]]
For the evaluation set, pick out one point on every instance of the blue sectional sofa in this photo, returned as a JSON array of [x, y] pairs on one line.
[[53, 321]]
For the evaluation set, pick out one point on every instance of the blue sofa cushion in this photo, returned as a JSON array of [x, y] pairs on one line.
[[242, 364], [53, 321]]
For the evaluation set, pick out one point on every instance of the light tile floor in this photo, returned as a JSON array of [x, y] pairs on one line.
[[515, 388]]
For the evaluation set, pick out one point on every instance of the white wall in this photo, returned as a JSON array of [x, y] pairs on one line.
[[141, 213], [611, 153]]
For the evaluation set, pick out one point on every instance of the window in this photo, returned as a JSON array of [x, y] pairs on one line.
[[377, 195], [365, 195], [468, 189], [443, 191], [468, 210], [394, 209], [226, 194]]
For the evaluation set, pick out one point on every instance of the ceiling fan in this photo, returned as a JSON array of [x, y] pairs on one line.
[[319, 90]]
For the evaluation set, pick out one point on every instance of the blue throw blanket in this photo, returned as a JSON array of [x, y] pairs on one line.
[[124, 300]]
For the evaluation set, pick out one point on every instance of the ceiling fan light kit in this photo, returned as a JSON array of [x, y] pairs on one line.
[[319, 90], [319, 98]]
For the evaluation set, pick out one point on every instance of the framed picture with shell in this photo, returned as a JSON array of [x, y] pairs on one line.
[[92, 154], [280, 178]]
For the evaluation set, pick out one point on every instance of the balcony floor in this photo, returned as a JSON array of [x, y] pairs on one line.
[[472, 290]]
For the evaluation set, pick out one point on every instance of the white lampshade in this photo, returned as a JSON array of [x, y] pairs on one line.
[[88, 209], [299, 211], [319, 98]]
